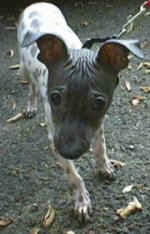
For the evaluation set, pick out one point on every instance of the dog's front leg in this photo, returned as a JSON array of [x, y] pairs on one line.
[[104, 165], [81, 197]]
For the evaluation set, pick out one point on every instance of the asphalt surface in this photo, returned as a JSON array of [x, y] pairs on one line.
[[29, 175]]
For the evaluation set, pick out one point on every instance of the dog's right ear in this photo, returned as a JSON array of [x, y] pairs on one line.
[[52, 47], [113, 54]]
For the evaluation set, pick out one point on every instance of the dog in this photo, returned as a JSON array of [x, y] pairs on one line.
[[76, 85]]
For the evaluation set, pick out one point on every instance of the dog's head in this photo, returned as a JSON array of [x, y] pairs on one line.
[[80, 88]]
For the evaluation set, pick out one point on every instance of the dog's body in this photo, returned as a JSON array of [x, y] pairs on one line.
[[76, 86]]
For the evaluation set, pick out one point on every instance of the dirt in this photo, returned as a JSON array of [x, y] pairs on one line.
[[29, 175]]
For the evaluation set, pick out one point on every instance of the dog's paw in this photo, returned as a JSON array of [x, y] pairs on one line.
[[83, 207], [108, 170]]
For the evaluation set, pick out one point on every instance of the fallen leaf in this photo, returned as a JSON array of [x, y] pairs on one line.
[[49, 217], [12, 104], [145, 89], [147, 13], [137, 99], [146, 64], [127, 188], [91, 232], [140, 98], [135, 102], [10, 53], [5, 222], [140, 66], [35, 230], [130, 56], [42, 124], [147, 71], [70, 232], [117, 164], [15, 118], [131, 208], [14, 67], [84, 23], [130, 66], [144, 44], [24, 82], [143, 64], [128, 85]]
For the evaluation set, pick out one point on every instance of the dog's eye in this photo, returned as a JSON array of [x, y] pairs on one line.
[[55, 98], [98, 103]]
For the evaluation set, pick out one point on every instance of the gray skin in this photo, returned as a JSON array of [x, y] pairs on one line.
[[80, 89], [80, 92]]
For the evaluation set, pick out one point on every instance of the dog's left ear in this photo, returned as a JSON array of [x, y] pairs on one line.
[[113, 54], [52, 46], [52, 49]]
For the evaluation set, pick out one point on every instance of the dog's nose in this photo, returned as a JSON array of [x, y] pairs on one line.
[[71, 150], [71, 154]]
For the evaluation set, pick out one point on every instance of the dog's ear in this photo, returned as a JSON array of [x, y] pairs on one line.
[[113, 54], [52, 47]]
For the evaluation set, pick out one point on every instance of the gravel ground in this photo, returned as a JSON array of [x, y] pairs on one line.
[[29, 175]]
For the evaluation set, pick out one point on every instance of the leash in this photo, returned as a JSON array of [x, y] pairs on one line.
[[126, 28]]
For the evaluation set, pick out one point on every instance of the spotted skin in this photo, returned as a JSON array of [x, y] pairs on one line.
[[44, 16]]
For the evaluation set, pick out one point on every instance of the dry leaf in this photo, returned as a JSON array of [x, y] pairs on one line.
[[130, 66], [128, 188], [42, 124], [24, 82], [140, 66], [143, 64], [70, 232], [10, 53], [137, 99], [135, 102], [128, 85], [146, 65], [144, 44], [145, 89], [15, 118], [117, 164], [14, 67], [140, 98], [132, 207], [130, 56], [35, 230], [49, 217], [14, 105], [5, 222], [147, 71], [84, 24]]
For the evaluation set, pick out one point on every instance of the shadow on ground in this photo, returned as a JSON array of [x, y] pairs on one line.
[[29, 175]]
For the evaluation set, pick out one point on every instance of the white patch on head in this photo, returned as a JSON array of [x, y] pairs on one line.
[[35, 23], [42, 17], [33, 14]]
